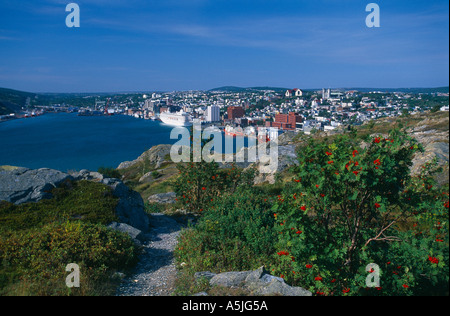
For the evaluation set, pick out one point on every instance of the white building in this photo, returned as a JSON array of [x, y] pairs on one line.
[[213, 113], [295, 92]]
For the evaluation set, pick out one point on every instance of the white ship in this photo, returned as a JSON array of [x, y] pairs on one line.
[[176, 119]]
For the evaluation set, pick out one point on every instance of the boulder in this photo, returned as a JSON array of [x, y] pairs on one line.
[[133, 232], [22, 185], [258, 282], [163, 198], [87, 175], [229, 279], [130, 208]]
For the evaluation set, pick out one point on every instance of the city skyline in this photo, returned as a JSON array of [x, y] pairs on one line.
[[200, 45]]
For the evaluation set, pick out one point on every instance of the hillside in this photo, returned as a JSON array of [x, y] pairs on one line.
[[12, 101], [153, 172]]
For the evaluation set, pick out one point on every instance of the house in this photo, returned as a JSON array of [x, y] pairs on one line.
[[294, 93]]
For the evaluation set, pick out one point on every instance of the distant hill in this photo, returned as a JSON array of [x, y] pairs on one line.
[[12, 101], [405, 90], [241, 89], [389, 90]]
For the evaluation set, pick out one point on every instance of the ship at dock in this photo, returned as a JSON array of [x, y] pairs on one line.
[[176, 119]]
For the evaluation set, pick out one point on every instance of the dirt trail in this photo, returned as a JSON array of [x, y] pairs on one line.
[[155, 273]]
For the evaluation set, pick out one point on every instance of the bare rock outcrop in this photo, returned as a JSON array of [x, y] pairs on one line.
[[156, 156], [258, 282], [22, 185]]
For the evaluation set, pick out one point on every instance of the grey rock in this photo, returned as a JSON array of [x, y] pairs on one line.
[[23, 185], [133, 232], [261, 276], [201, 294], [148, 177], [130, 208], [229, 279], [87, 175], [206, 275], [155, 156], [280, 288], [258, 282], [163, 198], [286, 138]]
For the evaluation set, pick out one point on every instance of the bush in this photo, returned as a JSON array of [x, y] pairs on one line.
[[33, 262], [38, 240], [110, 172], [352, 205], [234, 234], [200, 184]]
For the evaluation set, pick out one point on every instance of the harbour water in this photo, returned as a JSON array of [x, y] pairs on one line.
[[65, 141]]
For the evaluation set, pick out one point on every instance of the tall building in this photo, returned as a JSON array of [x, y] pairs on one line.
[[235, 112], [326, 94], [213, 113]]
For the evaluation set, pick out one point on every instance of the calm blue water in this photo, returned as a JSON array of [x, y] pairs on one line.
[[69, 142]]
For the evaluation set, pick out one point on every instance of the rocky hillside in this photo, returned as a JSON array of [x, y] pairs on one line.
[[152, 172], [431, 130]]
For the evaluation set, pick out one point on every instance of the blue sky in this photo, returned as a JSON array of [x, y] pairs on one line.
[[166, 45]]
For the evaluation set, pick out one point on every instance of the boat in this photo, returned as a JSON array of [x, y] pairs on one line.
[[176, 119]]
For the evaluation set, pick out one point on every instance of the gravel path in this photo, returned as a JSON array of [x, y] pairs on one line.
[[155, 273]]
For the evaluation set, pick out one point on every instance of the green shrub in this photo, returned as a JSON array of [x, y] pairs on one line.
[[349, 206], [33, 262], [200, 184], [109, 172], [234, 234]]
